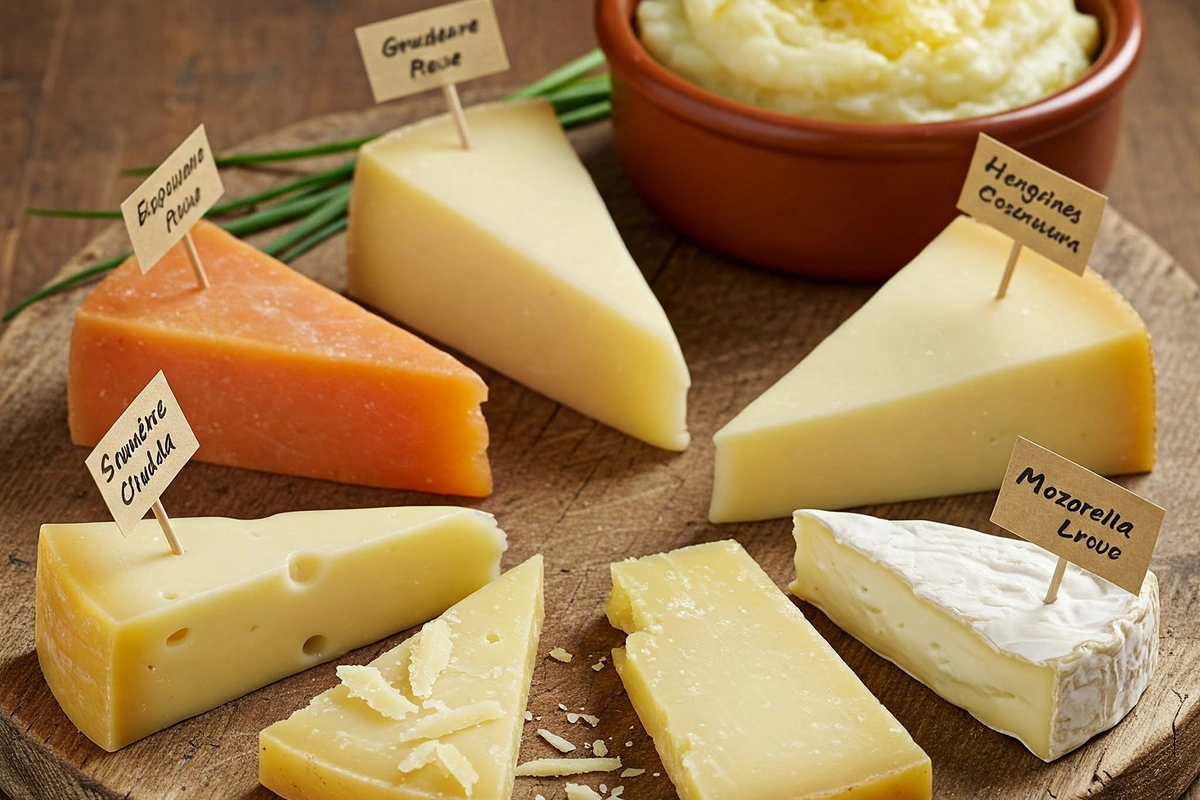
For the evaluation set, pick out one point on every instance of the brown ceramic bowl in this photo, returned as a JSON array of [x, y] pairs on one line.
[[838, 200]]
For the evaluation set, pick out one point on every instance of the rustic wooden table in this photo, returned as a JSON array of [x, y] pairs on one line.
[[87, 88]]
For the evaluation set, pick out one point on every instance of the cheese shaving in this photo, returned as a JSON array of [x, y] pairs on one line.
[[632, 773], [369, 685], [600, 748], [444, 723], [577, 792], [556, 741], [451, 758], [558, 654], [430, 655], [557, 767]]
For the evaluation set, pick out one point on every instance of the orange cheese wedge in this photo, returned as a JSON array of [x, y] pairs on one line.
[[277, 373]]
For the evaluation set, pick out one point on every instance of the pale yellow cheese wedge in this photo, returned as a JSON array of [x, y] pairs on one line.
[[742, 696], [464, 740], [132, 638], [924, 390], [507, 253]]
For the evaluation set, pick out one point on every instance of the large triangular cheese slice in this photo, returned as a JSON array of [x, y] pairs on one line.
[[506, 252], [132, 639], [277, 373], [963, 612], [439, 716], [923, 391]]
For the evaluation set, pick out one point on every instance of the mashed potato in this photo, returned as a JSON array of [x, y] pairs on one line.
[[873, 60]]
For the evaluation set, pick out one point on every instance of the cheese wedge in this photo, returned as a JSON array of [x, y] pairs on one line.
[[133, 639], [277, 373], [962, 612], [507, 253], [463, 741], [924, 390], [741, 694]]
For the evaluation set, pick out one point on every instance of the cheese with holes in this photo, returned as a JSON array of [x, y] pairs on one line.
[[277, 373], [962, 612], [924, 391], [132, 638], [507, 253], [463, 742], [741, 694]]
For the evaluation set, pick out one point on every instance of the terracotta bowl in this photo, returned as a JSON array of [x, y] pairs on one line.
[[852, 201]]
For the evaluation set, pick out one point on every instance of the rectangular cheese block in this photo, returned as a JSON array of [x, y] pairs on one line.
[[463, 734], [132, 639], [963, 612], [925, 389], [741, 694], [509, 255], [277, 373]]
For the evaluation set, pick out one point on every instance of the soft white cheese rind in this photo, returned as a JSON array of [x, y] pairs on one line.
[[962, 612]]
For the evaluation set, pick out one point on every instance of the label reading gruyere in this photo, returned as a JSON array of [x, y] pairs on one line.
[[1078, 515], [177, 194], [448, 44], [1036, 206], [142, 453]]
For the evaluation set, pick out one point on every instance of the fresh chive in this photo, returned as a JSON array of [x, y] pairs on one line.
[[314, 239], [74, 213], [334, 208], [64, 284], [316, 179], [581, 93], [245, 159], [585, 114], [560, 77], [280, 213]]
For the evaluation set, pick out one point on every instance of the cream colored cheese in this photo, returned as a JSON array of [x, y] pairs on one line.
[[873, 60]]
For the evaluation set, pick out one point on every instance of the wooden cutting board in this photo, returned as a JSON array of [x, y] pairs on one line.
[[585, 495]]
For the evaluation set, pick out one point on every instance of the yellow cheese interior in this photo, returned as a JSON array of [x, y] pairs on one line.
[[340, 748], [506, 252], [132, 638], [924, 390], [741, 694]]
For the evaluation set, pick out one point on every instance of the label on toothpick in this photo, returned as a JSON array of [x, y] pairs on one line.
[[1078, 515], [1036, 206], [142, 453], [164, 208], [443, 45]]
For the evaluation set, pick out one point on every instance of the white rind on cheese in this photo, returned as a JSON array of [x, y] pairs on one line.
[[507, 253], [963, 612]]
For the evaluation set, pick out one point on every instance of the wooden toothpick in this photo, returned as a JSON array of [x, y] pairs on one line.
[[197, 267], [1059, 570], [160, 514], [1013, 255], [450, 92]]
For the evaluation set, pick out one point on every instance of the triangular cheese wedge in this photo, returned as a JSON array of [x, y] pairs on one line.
[[963, 612], [440, 715], [277, 373], [923, 391], [506, 252], [132, 639]]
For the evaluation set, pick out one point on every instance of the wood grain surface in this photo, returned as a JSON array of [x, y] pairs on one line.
[[584, 496]]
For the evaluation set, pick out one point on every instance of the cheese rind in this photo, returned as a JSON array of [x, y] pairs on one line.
[[924, 390], [337, 748], [742, 696], [132, 639], [277, 373], [963, 612], [509, 255]]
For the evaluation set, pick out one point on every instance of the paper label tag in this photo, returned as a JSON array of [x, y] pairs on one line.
[[1035, 205], [173, 198], [1078, 515], [447, 44], [142, 453]]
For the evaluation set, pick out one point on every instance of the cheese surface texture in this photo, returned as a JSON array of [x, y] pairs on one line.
[[924, 390], [463, 740], [506, 252], [741, 694], [963, 612], [132, 638], [277, 373]]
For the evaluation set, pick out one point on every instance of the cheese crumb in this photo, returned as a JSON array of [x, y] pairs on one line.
[[657, 774], [562, 707], [600, 748], [556, 741], [629, 744], [572, 718], [558, 654], [529, 716], [577, 792], [590, 720], [369, 685], [603, 788], [452, 760], [557, 767], [445, 722], [616, 792], [430, 655], [632, 773], [599, 665]]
